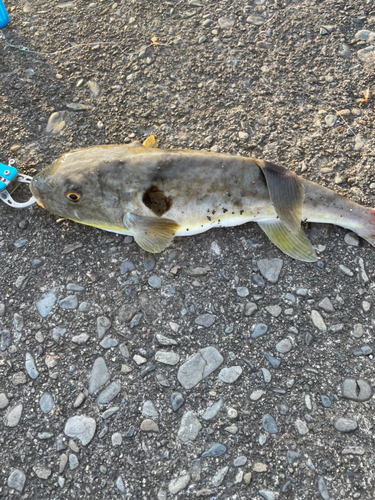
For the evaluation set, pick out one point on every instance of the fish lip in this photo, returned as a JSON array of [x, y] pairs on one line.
[[35, 191]]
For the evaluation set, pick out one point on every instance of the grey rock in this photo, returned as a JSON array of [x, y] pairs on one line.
[[46, 402], [189, 427], [293, 456], [13, 416], [154, 281], [80, 339], [205, 320], [30, 366], [5, 340], [3, 401], [177, 400], [219, 476], [358, 330], [330, 120], [301, 427], [302, 292], [318, 321], [95, 89], [103, 324], [267, 494], [266, 375], [2, 309], [259, 330], [162, 340], [213, 410], [167, 357], [45, 435], [57, 122], [269, 424], [270, 269], [345, 425], [323, 489], [146, 51], [216, 450], [17, 480], [367, 55], [80, 427], [79, 400], [58, 333], [226, 23], [108, 413], [274, 362], [240, 461], [42, 472], [344, 51], [356, 390], [199, 366], [242, 291], [353, 450], [326, 402], [99, 375], [250, 309], [196, 470], [149, 264], [124, 350], [126, 267], [326, 305], [136, 320], [286, 487], [18, 322], [149, 409], [255, 19], [72, 287], [45, 305], [230, 375], [275, 311], [108, 342], [351, 239], [179, 484], [283, 346], [69, 302], [108, 393], [73, 461], [120, 484], [84, 307]]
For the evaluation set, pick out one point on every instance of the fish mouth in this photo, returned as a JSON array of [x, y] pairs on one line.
[[35, 189]]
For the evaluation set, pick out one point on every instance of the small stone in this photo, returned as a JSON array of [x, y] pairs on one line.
[[230, 375], [274, 362], [269, 424], [250, 309], [149, 409], [259, 467], [5, 340], [318, 321], [283, 346], [226, 23], [2, 309], [42, 472], [154, 281], [116, 439], [84, 307], [259, 330], [256, 395], [103, 324], [356, 390], [73, 461], [240, 461], [80, 427], [344, 51], [79, 400], [120, 484], [199, 366], [323, 489], [148, 369], [275, 311], [270, 269], [242, 291], [167, 357], [267, 494], [179, 484], [69, 302], [80, 339], [3, 401], [46, 304], [293, 456], [247, 478], [99, 375], [177, 400], [351, 239], [326, 305], [46, 402], [149, 425], [216, 450], [353, 450], [345, 425], [243, 135], [30, 366], [266, 375], [366, 305], [108, 393], [330, 120], [162, 340], [301, 427], [326, 402], [126, 267], [149, 264], [205, 320], [255, 19], [94, 88], [107, 343], [218, 478], [135, 320], [17, 480], [213, 410], [58, 333], [189, 427], [367, 54], [140, 360], [108, 413]]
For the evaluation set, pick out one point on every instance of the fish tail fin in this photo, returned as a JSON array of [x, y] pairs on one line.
[[366, 227]]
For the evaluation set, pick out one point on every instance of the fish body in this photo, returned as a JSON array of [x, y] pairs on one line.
[[155, 194]]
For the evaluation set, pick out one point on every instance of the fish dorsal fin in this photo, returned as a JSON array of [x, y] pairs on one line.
[[286, 192], [150, 142], [296, 245], [153, 234]]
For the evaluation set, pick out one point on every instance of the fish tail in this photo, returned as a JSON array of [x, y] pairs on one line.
[[365, 227]]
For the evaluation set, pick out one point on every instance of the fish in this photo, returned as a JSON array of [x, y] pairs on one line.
[[157, 194]]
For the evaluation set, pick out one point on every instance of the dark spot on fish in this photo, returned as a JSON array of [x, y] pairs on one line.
[[157, 201], [242, 211], [232, 213], [228, 194], [242, 194], [213, 212], [225, 210], [209, 218]]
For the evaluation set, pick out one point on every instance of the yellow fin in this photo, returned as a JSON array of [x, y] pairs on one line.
[[153, 234], [150, 142], [296, 245]]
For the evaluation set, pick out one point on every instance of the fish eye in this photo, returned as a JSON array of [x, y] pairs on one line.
[[73, 196]]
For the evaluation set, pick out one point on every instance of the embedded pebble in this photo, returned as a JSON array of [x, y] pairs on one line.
[[205, 320], [73, 461], [30, 366], [219, 476], [259, 330], [162, 340], [270, 269], [167, 357], [99, 375], [353, 450], [259, 467], [189, 427], [154, 281], [301, 427], [126, 267], [80, 427], [3, 401], [149, 409], [199, 366], [250, 308], [256, 395], [80, 339], [283, 346], [108, 393], [266, 375], [177, 400], [230, 375], [326, 305], [351, 239], [13, 416], [103, 324], [149, 425], [58, 333], [239, 461], [274, 362], [267, 494], [108, 342], [344, 51], [17, 480], [46, 304], [292, 456], [269, 424], [356, 390], [318, 321], [46, 402], [42, 472], [94, 88], [226, 23], [242, 291], [179, 484], [326, 402], [323, 489], [275, 311], [213, 410], [345, 425], [116, 439], [255, 19], [149, 264], [216, 450], [331, 120], [120, 484], [69, 302], [5, 340]]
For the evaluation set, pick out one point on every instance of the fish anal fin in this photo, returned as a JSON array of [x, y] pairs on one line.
[[153, 234], [286, 192], [150, 142], [296, 245]]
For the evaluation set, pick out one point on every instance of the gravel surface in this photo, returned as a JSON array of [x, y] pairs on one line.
[[219, 368]]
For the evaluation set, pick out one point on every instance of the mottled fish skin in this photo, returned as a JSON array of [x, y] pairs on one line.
[[156, 194]]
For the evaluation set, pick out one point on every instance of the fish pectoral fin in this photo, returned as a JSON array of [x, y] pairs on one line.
[[150, 142], [296, 245], [286, 192], [153, 234]]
